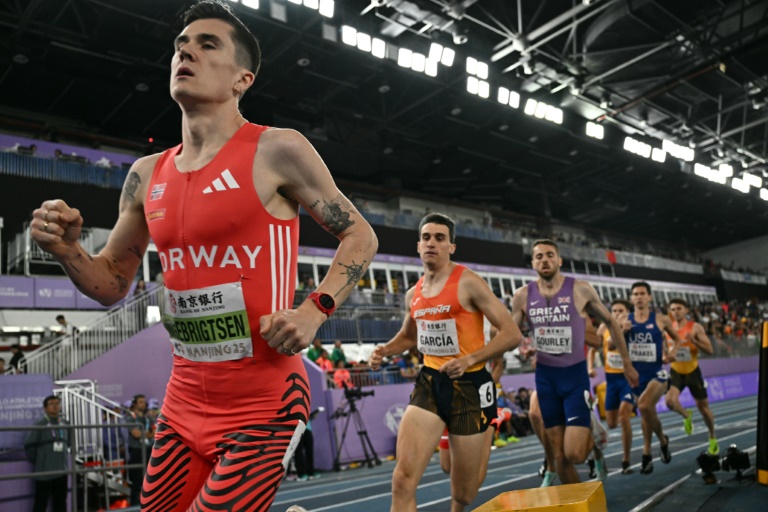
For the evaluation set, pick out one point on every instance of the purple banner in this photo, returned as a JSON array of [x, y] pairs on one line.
[[48, 150], [719, 388], [17, 292], [21, 404], [55, 293]]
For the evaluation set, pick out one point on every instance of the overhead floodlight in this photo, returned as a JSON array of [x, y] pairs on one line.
[[435, 52], [473, 84], [637, 147], [659, 155], [514, 99], [448, 55], [378, 48], [554, 114], [530, 106], [418, 62], [485, 89], [595, 130], [312, 4], [503, 96], [363, 42], [677, 151], [253, 4], [541, 110], [404, 57], [326, 8], [709, 173], [349, 35], [764, 194], [471, 65], [482, 70], [752, 180], [431, 69], [740, 185], [726, 170]]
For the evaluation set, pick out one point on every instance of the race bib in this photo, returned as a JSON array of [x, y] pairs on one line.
[[614, 361], [487, 394], [553, 340], [683, 354], [642, 352], [438, 337], [208, 324]]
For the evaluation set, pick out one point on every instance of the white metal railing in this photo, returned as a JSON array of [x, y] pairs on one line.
[[82, 405], [66, 354], [23, 252]]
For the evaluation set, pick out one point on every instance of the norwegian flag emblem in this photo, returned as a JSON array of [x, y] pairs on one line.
[[157, 192]]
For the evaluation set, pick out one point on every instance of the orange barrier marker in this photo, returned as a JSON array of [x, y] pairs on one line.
[[583, 497]]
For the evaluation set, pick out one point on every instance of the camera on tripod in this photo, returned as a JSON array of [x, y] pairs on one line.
[[356, 393]]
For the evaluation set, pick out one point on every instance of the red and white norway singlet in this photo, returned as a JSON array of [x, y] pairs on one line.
[[226, 261]]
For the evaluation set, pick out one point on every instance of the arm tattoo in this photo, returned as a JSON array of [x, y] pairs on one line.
[[122, 283], [335, 220], [131, 185], [353, 272]]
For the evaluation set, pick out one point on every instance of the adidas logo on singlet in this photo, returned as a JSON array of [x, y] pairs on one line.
[[219, 186]]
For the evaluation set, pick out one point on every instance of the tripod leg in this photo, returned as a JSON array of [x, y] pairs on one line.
[[365, 441], [336, 465]]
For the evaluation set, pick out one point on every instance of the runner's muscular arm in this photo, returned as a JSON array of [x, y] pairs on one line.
[[475, 294], [700, 339], [304, 178], [665, 324], [518, 305], [595, 307], [105, 277], [405, 338]]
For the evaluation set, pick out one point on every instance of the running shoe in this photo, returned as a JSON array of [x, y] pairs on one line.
[[688, 422], [549, 479], [591, 464], [601, 468], [666, 455], [646, 467], [512, 439], [543, 468], [499, 443], [714, 447], [625, 469]]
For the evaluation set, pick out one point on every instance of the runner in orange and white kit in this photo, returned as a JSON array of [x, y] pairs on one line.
[[224, 217], [453, 389], [620, 401], [685, 371]]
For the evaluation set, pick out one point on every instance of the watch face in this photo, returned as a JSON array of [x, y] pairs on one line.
[[327, 301]]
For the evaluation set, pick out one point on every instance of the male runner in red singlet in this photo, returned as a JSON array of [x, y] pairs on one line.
[[453, 389], [224, 218]]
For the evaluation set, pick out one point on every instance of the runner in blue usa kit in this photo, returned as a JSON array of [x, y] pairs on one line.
[[556, 307], [648, 351]]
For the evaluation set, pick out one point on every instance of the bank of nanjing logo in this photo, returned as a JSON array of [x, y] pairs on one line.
[[220, 186]]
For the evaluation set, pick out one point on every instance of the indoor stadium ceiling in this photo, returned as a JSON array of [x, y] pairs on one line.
[[691, 71]]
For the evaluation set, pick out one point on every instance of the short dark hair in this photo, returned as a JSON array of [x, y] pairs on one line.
[[678, 300], [623, 302], [638, 284], [60, 317], [546, 241], [247, 50], [49, 398], [136, 399], [443, 220], [16, 346]]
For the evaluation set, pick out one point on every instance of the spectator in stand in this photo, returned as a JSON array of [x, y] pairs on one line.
[[2, 366], [140, 438], [324, 362], [18, 362], [338, 354], [103, 162], [314, 351], [342, 377], [408, 370], [523, 398], [48, 450], [141, 304], [68, 351]]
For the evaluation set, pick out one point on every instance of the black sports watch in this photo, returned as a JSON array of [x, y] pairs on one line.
[[324, 302]]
